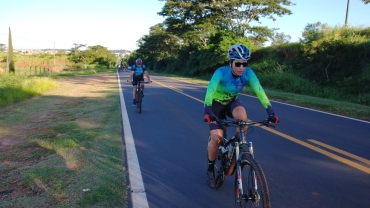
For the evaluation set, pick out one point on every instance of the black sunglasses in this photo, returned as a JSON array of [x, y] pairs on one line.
[[238, 64]]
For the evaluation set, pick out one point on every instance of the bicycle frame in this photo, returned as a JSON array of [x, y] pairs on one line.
[[138, 88], [138, 95]]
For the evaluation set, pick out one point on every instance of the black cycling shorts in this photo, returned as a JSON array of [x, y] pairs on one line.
[[221, 111], [137, 78]]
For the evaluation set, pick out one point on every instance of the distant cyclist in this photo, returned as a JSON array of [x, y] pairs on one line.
[[222, 99], [137, 74]]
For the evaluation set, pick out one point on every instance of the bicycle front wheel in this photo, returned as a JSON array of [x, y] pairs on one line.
[[253, 191], [139, 100]]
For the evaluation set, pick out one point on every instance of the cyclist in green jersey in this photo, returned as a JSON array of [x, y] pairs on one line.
[[222, 99]]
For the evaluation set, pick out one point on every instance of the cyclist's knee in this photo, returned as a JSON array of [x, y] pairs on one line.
[[240, 113], [216, 137]]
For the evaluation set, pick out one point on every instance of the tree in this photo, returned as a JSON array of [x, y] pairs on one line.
[[366, 1], [260, 35], [232, 15], [237, 15], [75, 54], [313, 32], [195, 34], [100, 55], [2, 47], [92, 55], [11, 67], [280, 38], [158, 45]]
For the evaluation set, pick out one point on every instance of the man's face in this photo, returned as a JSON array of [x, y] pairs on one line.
[[239, 66]]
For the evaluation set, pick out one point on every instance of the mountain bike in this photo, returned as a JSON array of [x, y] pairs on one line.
[[251, 189], [139, 95]]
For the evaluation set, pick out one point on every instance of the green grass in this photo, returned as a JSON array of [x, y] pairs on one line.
[[17, 88]]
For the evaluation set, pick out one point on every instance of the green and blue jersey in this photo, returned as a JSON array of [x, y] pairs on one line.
[[224, 88]]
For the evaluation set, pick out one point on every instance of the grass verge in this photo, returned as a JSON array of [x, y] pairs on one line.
[[64, 148]]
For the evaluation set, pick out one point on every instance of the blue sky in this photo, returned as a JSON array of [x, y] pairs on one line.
[[118, 24]]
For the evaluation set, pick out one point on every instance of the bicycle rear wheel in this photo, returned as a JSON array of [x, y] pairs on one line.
[[254, 184], [219, 170]]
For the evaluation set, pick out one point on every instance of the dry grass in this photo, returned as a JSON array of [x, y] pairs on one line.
[[54, 146]]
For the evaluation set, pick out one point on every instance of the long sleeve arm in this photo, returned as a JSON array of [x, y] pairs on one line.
[[258, 90], [212, 85]]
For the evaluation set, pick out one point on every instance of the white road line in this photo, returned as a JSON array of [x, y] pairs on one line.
[[138, 195]]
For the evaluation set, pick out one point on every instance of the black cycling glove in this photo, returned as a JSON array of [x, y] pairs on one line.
[[272, 118], [209, 116]]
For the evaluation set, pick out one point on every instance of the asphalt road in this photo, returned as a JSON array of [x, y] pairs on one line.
[[311, 158]]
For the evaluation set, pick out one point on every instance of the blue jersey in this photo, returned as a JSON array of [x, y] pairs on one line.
[[138, 71]]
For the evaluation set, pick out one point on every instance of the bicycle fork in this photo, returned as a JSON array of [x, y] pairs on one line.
[[138, 90], [254, 176], [241, 195], [239, 181]]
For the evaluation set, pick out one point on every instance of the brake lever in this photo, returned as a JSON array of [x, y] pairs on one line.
[[267, 123]]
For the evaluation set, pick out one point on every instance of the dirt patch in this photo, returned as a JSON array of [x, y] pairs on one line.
[[50, 109]]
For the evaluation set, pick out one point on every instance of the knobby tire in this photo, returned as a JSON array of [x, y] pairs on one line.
[[219, 170], [247, 181], [139, 100]]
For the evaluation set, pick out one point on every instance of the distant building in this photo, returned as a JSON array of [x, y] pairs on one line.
[[118, 53]]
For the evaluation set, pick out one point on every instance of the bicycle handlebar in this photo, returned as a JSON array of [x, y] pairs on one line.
[[141, 82], [242, 123]]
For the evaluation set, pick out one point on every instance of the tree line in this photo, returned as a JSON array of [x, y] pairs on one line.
[[98, 55], [79, 57]]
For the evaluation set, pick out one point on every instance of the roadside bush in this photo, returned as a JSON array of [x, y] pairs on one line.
[[363, 99], [289, 82]]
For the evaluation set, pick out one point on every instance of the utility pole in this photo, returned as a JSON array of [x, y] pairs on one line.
[[345, 23], [7, 56], [7, 62]]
